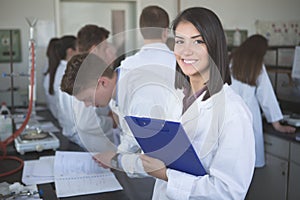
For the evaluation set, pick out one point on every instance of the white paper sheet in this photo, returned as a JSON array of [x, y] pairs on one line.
[[45, 167], [38, 171], [76, 173]]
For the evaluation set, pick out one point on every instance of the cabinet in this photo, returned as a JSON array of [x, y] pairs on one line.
[[279, 179], [294, 173], [271, 181], [279, 60]]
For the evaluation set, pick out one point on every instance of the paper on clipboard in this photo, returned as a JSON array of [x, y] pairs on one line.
[[167, 141]]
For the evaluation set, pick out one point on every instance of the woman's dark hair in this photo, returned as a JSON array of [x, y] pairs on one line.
[[50, 53], [247, 59], [57, 51], [210, 27]]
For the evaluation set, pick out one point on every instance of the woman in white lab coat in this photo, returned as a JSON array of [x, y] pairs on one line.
[[250, 80], [215, 118], [59, 51]]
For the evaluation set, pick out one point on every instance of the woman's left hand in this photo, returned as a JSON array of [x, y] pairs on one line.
[[154, 167]]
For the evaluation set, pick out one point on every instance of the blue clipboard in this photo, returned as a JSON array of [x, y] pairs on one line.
[[166, 141]]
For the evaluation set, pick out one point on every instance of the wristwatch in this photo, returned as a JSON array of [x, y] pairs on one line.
[[114, 162]]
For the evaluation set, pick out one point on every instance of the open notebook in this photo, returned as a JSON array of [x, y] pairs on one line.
[[166, 141]]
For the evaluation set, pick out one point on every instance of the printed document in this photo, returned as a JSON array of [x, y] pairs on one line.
[[76, 173]]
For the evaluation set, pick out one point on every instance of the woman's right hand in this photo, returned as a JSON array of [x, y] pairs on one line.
[[283, 128]]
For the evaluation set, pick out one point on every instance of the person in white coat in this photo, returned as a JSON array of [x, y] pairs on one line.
[[65, 48], [55, 56], [59, 51], [94, 133], [215, 118], [135, 95], [83, 125], [251, 81]]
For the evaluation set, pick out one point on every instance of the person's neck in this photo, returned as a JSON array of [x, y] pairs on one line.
[[151, 41], [197, 83], [115, 79]]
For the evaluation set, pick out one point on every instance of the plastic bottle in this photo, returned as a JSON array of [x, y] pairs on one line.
[[5, 122], [237, 38]]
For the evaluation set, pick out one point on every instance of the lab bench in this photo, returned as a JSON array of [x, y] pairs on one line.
[[279, 179], [48, 189]]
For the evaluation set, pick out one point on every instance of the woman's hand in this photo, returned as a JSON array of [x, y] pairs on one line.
[[154, 167], [104, 159], [283, 128]]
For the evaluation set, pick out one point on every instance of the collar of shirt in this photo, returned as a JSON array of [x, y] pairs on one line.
[[117, 83], [189, 100], [157, 45]]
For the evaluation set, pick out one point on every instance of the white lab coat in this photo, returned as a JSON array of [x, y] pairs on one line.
[[83, 126], [95, 130], [52, 100], [155, 54], [144, 92], [220, 130], [63, 104], [66, 117], [256, 97], [145, 87], [79, 123]]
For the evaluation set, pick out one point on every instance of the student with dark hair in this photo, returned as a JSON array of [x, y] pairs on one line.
[[153, 23], [215, 118], [90, 128], [59, 51], [92, 38], [89, 36], [251, 81]]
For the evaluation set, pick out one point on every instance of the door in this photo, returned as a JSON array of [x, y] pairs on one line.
[[115, 16]]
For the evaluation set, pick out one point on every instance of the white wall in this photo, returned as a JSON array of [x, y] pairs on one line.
[[233, 14], [243, 13], [91, 12], [96, 12], [169, 5], [12, 15]]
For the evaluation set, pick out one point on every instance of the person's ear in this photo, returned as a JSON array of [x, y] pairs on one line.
[[70, 52], [165, 34], [103, 81]]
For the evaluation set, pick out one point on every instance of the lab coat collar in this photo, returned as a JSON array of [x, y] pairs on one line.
[[211, 114], [195, 109], [158, 45], [63, 62]]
